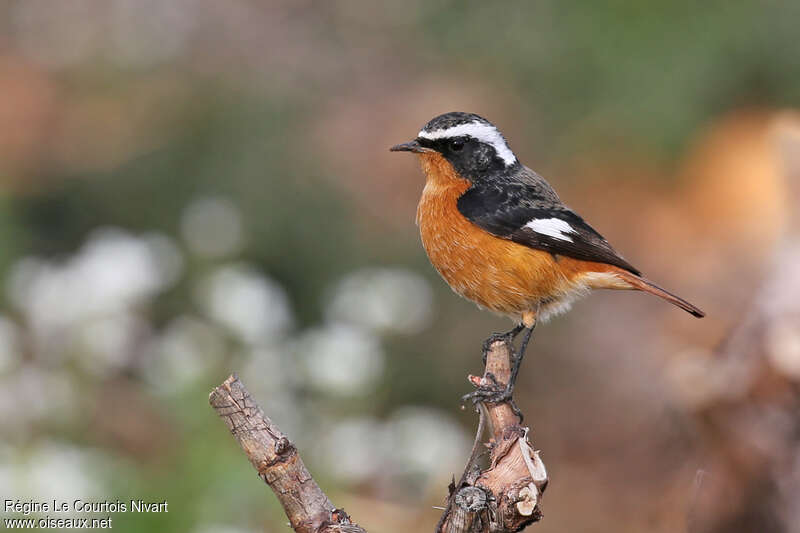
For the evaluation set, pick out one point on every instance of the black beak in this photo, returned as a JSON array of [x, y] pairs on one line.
[[410, 146]]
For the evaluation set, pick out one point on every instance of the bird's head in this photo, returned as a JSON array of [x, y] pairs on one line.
[[472, 144]]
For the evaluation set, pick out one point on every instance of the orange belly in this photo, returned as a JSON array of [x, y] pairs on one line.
[[497, 274]]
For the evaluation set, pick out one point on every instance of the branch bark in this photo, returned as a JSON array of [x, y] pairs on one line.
[[503, 497], [277, 462]]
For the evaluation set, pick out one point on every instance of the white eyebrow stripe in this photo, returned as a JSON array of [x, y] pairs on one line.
[[552, 227], [477, 130]]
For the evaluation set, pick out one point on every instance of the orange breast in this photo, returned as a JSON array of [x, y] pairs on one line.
[[496, 273]]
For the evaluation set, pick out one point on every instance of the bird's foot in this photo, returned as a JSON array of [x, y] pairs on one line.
[[506, 336], [489, 391], [496, 337], [488, 394]]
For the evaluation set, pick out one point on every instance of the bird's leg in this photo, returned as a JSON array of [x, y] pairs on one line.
[[518, 359], [494, 393]]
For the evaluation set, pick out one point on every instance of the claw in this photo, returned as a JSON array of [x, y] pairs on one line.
[[507, 337], [493, 394], [489, 393], [494, 337]]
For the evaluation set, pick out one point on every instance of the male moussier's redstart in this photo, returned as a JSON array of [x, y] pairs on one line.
[[499, 235]]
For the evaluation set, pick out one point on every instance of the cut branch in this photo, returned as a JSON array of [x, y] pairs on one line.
[[515, 479], [277, 462]]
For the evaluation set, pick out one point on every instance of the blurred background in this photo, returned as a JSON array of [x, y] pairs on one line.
[[192, 188]]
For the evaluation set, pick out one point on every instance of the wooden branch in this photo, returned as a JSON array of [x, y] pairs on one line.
[[277, 462], [504, 497]]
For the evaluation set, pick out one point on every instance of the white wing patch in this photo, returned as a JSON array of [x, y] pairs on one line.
[[552, 227], [477, 130]]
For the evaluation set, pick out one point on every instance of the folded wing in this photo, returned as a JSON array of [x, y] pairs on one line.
[[528, 214]]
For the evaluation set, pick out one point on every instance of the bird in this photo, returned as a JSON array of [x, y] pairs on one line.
[[500, 236]]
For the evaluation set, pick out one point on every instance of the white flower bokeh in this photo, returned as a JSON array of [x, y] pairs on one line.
[[420, 445], [248, 303], [110, 273], [387, 300], [105, 345], [354, 450], [53, 470], [48, 395], [426, 440], [181, 354], [341, 359]]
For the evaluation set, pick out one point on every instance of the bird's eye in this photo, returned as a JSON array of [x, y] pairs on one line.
[[456, 145]]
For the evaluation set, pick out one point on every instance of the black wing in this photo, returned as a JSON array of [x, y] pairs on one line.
[[528, 214]]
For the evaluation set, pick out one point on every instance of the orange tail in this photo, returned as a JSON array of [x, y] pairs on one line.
[[648, 286]]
